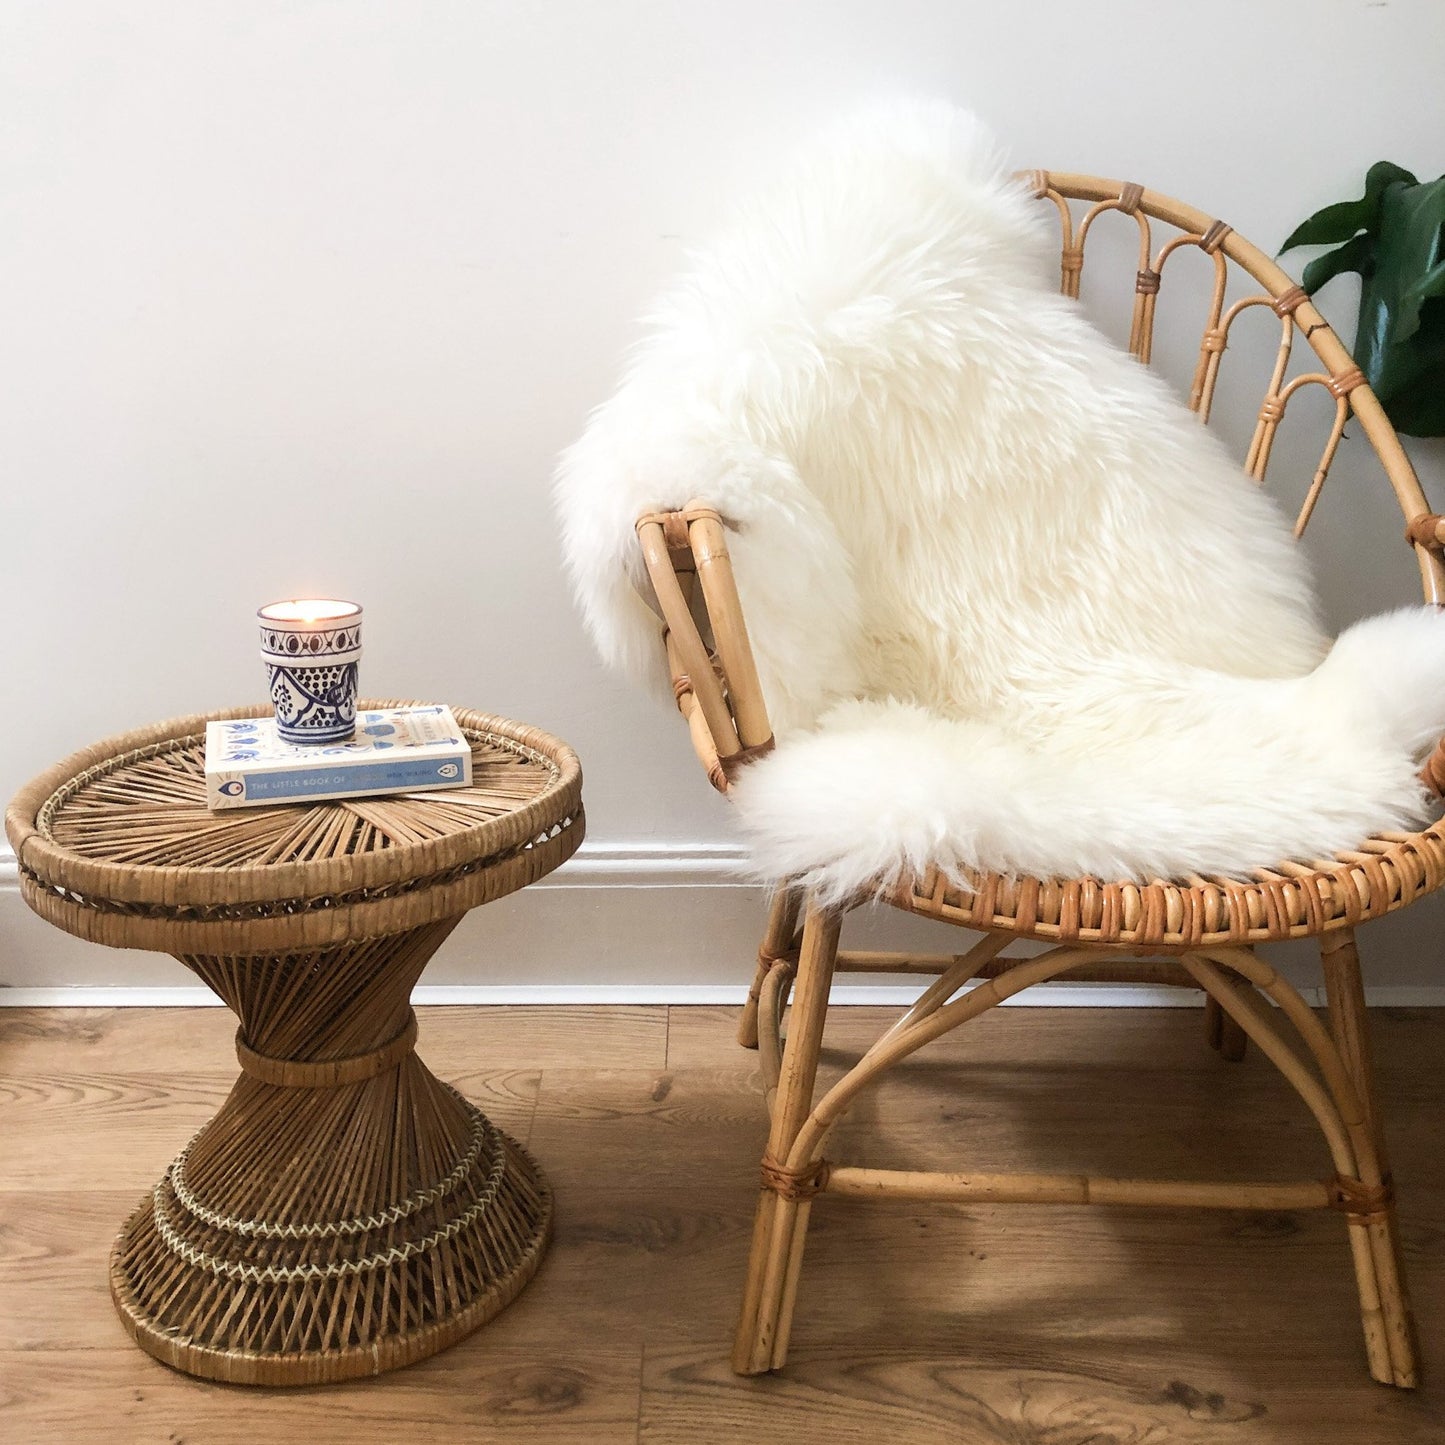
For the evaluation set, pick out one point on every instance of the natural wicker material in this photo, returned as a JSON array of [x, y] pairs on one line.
[[1288, 901], [345, 1212], [1195, 932]]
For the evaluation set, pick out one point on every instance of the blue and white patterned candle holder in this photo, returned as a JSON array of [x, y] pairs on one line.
[[311, 650]]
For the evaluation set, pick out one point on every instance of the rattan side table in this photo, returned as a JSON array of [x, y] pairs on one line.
[[345, 1212]]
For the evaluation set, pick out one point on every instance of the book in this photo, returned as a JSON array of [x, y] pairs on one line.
[[395, 750]]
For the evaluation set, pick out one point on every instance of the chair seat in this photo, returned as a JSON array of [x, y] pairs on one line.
[[1289, 900]]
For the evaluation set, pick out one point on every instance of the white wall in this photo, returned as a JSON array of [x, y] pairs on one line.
[[307, 296]]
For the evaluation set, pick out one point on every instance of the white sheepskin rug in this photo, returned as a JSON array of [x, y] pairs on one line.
[[1013, 607]]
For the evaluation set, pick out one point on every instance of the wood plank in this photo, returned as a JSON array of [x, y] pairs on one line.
[[638, 1207], [54, 1246], [991, 1323], [534, 1390], [865, 1391], [626, 1143], [451, 1037], [90, 1040], [542, 1035]]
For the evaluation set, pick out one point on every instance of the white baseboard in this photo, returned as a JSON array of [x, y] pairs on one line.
[[629, 923], [652, 865]]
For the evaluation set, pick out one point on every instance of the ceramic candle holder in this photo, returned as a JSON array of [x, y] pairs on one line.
[[311, 649]]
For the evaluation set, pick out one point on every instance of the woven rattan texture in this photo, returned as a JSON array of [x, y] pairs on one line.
[[345, 1212], [1290, 901], [116, 844], [308, 1301]]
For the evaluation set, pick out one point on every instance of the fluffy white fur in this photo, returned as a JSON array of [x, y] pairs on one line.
[[1013, 608]]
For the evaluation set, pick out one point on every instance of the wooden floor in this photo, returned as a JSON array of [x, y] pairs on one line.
[[1008, 1324]]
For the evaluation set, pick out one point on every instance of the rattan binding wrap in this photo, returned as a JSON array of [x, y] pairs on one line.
[[345, 1212]]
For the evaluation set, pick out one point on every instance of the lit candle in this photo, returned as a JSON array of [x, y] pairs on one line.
[[311, 647]]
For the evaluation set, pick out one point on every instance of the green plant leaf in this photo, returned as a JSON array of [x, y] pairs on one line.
[[1430, 285], [1416, 406], [1393, 347], [1394, 236], [1357, 254], [1344, 219], [1338, 222], [1412, 233]]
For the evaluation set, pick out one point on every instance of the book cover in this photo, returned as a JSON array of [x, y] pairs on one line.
[[395, 750]]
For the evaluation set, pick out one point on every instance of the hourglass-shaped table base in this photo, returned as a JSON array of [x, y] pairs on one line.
[[345, 1212]]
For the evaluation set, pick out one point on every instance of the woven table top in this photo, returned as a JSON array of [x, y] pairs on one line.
[[116, 843]]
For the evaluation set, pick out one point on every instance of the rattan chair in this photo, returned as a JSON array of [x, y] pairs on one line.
[[1196, 932]]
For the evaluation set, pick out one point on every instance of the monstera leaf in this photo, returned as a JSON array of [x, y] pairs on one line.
[[1394, 236]]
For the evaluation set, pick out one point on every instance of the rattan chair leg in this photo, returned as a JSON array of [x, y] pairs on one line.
[[781, 1225], [1225, 1036], [1341, 1116], [771, 1007], [1345, 991], [793, 1269], [963, 969], [1233, 1041], [1373, 1233], [1243, 986], [748, 1018], [777, 940]]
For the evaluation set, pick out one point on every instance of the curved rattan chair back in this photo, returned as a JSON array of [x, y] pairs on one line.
[[1181, 227], [714, 676]]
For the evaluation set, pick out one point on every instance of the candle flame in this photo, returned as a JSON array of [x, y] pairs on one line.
[[310, 609]]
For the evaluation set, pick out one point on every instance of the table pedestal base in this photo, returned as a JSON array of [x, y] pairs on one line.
[[345, 1212]]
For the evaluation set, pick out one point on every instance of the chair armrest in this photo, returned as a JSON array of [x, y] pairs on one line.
[[716, 687]]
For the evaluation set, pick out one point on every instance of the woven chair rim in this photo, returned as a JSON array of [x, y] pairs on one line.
[[1290, 900], [60, 867]]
